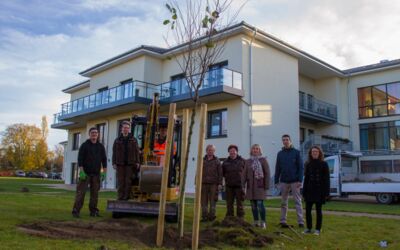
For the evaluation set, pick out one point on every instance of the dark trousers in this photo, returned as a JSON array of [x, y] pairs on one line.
[[208, 202], [257, 207], [318, 208], [94, 183], [124, 175], [232, 194]]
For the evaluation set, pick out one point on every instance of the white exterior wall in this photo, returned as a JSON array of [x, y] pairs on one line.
[[71, 156], [80, 93]]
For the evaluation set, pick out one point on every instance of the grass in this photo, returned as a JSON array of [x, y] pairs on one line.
[[42, 203]]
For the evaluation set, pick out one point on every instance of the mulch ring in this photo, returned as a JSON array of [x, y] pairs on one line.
[[231, 231]]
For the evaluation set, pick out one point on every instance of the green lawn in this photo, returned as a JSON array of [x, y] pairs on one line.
[[41, 203]]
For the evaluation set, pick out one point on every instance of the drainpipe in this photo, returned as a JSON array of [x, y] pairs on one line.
[[349, 108], [251, 88], [108, 140]]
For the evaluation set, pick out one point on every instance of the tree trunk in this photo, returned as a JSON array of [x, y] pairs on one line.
[[184, 172]]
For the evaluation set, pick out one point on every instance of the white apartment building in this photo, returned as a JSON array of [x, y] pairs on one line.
[[260, 89]]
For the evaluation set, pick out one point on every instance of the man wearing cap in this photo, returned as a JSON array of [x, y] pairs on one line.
[[233, 172]]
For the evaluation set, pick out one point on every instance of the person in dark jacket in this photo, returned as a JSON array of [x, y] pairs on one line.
[[288, 177], [211, 183], [92, 162], [316, 186], [256, 178], [233, 170], [126, 160]]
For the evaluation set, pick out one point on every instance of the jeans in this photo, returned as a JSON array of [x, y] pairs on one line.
[[257, 207], [318, 208]]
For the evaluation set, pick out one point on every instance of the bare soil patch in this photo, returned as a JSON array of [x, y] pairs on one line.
[[230, 231]]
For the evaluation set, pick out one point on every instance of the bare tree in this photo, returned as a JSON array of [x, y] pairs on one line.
[[196, 25]]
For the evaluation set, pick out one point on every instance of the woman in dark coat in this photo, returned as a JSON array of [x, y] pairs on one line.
[[256, 178], [316, 186]]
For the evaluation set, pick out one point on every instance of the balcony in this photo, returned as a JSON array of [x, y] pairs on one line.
[[314, 110], [219, 84]]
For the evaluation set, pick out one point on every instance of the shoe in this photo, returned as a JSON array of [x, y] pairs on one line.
[[301, 225], [212, 218], [95, 214], [263, 225], [284, 225], [75, 214], [204, 220], [256, 223], [317, 232], [307, 231]]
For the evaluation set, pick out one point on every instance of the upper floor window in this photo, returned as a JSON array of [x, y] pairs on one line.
[[380, 136], [76, 141], [215, 76], [217, 123], [379, 100]]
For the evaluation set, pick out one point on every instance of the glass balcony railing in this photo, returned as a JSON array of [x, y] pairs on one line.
[[213, 78], [125, 91], [312, 105]]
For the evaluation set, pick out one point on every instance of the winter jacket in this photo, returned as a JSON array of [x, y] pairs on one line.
[[256, 189], [92, 156], [316, 185], [212, 171], [125, 151], [289, 166], [233, 171]]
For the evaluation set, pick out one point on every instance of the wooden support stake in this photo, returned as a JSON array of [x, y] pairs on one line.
[[199, 173], [164, 180], [185, 130]]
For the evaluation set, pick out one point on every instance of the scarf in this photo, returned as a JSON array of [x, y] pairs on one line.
[[257, 168]]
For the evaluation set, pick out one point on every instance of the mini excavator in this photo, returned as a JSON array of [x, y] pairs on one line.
[[144, 198]]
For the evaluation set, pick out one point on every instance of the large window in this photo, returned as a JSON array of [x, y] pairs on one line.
[[379, 166], [380, 136], [76, 140], [217, 123], [101, 128], [379, 100]]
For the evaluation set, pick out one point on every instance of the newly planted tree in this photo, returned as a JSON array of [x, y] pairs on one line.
[[197, 26]]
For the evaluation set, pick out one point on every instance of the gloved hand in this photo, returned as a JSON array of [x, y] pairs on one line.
[[102, 176], [82, 176]]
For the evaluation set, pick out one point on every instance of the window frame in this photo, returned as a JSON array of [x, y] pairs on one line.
[[386, 126], [372, 107], [209, 119], [102, 136], [76, 142]]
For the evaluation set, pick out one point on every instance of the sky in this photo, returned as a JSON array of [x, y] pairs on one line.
[[45, 44]]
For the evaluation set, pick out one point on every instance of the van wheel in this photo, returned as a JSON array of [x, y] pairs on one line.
[[384, 198]]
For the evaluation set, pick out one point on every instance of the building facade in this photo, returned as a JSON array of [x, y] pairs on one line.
[[259, 89]]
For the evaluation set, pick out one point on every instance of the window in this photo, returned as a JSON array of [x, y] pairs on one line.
[[379, 166], [396, 166], [331, 165], [380, 136], [215, 76], [217, 123], [302, 132], [127, 89], [76, 141], [101, 128], [178, 85], [379, 100], [74, 173]]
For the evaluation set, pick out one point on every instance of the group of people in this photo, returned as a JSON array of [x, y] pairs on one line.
[[243, 179], [249, 179]]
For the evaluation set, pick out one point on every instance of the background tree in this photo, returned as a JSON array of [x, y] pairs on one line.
[[197, 24], [24, 145]]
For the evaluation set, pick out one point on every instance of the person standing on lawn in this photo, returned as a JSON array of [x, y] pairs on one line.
[[288, 177], [256, 178], [211, 183], [126, 160], [92, 162], [316, 186], [233, 170]]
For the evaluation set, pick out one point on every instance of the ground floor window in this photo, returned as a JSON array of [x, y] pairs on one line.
[[380, 166], [101, 128], [217, 123], [74, 173], [380, 136]]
